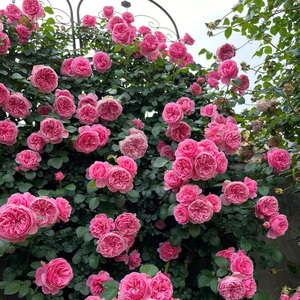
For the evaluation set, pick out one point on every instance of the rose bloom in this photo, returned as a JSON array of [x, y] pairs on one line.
[[54, 276], [195, 89], [108, 12], [188, 60], [161, 287], [13, 14], [65, 68], [160, 36], [119, 179], [64, 93], [167, 151], [257, 125], [134, 260], [231, 288], [279, 159], [250, 286], [81, 67], [85, 99], [200, 211], [180, 133], [296, 296], [266, 206], [187, 194], [187, 105], [235, 192], [172, 114], [149, 44], [94, 298], [59, 176], [242, 264], [183, 167], [167, 251], [52, 131], [160, 224], [111, 244], [44, 109], [243, 86], [88, 140], [16, 221], [109, 109], [87, 114], [279, 225], [98, 170], [209, 147], [89, 21], [263, 104], [228, 70], [128, 223], [4, 94], [128, 17], [171, 180], [128, 164], [101, 225], [44, 78], [64, 209], [5, 43], [138, 123], [8, 132], [121, 34], [213, 83], [225, 52], [95, 282], [28, 160], [215, 201], [222, 162], [101, 62], [17, 106], [231, 141], [177, 51], [20, 199], [252, 186], [226, 253], [46, 208], [208, 110], [64, 107], [35, 142], [30, 7], [205, 167], [187, 39], [144, 30], [181, 214], [187, 148]]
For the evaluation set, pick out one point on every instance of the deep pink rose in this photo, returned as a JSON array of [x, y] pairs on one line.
[[187, 105], [13, 14], [119, 179], [21, 199], [28, 160], [128, 17], [52, 131], [252, 186], [99, 171], [46, 208], [187, 194], [95, 282], [181, 214], [180, 133], [200, 211], [59, 176], [222, 162], [128, 164], [44, 109], [128, 223], [195, 89], [4, 94], [161, 287], [235, 192], [183, 167], [103, 134], [296, 296], [17, 106], [228, 70], [113, 22], [35, 142], [121, 34], [5, 43], [225, 52], [242, 264], [111, 244], [44, 78], [167, 151], [108, 12], [160, 145], [226, 253], [215, 201], [187, 148], [241, 88], [279, 159], [177, 51], [8, 132], [144, 30], [101, 62], [64, 107], [213, 83], [149, 44], [250, 286], [87, 114], [160, 224], [54, 276], [101, 225], [172, 114], [266, 206], [160, 36], [214, 132], [89, 21], [138, 123], [279, 225], [231, 288], [205, 167], [15, 222], [171, 180], [218, 118], [64, 209], [208, 110], [109, 109], [30, 7], [134, 260], [167, 251], [209, 147], [65, 68], [88, 140], [81, 67], [94, 298], [187, 39]]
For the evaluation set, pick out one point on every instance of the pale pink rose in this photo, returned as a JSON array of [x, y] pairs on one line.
[[167, 251], [172, 114], [134, 260], [167, 151], [228, 70], [243, 86], [161, 287], [5, 43], [128, 164], [28, 160], [205, 167], [135, 286], [13, 14], [180, 133], [88, 140], [128, 223], [108, 12], [200, 211], [17, 106], [54, 276], [21, 199], [231, 141], [171, 180], [215, 201], [187, 39], [160, 145], [44, 109], [119, 179], [30, 7], [109, 109], [85, 99], [226, 253], [101, 62], [222, 162], [65, 68], [144, 30], [187, 194], [242, 264], [16, 221], [46, 208], [181, 214], [160, 224], [279, 159], [208, 110], [160, 36], [52, 131], [177, 51], [213, 83], [89, 21], [225, 52], [266, 206], [183, 167], [138, 123], [279, 225], [250, 286], [187, 148], [111, 244], [101, 225], [235, 192], [65, 93], [4, 94], [128, 17], [87, 114], [103, 134], [81, 67], [113, 22], [8, 132], [231, 288], [188, 60], [195, 89], [44, 78], [64, 107], [121, 34], [95, 282], [187, 105], [35, 142], [59, 176], [252, 186]]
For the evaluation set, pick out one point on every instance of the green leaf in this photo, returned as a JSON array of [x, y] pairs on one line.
[[48, 10], [50, 254], [277, 256], [246, 245], [8, 178], [215, 240], [24, 289], [92, 184], [30, 175], [70, 187], [260, 295], [160, 162], [194, 230], [81, 231], [263, 190], [57, 162], [156, 130], [226, 21], [35, 265], [12, 288], [204, 280], [237, 81], [17, 76], [111, 289], [94, 203], [228, 32], [94, 261], [38, 296], [222, 272], [214, 285], [169, 67], [133, 194], [175, 240], [149, 270], [221, 261]]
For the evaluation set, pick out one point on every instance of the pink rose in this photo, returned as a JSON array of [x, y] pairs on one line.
[[44, 109], [215, 201], [284, 297], [65, 93], [209, 147], [64, 107], [231, 141], [94, 298], [296, 296], [138, 123], [167, 151], [226, 253], [4, 94], [225, 52], [160, 36], [195, 89], [250, 286], [241, 88], [187, 148], [81, 67], [98, 171], [65, 68], [208, 110], [35, 142], [13, 14], [101, 225], [8, 132], [128, 17], [144, 30], [177, 51], [59, 176], [87, 114], [89, 21], [222, 162], [228, 70], [180, 133], [205, 167], [21, 199], [200, 211], [161, 287], [231, 288], [200, 79], [187, 105], [181, 214], [111, 244], [172, 114], [44, 78], [5, 43], [242, 264], [47, 209], [28, 160], [128, 164], [167, 251], [54, 276], [101, 62], [113, 22], [30, 7], [183, 167], [128, 223], [119, 179], [103, 134], [121, 34], [88, 140], [235, 192], [160, 224], [279, 225], [214, 132], [109, 109], [187, 39], [17, 106], [134, 260], [64, 209], [95, 282], [266, 206], [52, 131], [252, 186], [108, 12], [279, 159], [213, 83], [187, 194], [16, 222], [149, 44], [218, 118], [171, 180]]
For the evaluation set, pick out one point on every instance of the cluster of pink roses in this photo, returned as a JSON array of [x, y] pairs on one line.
[[267, 208], [165, 150], [279, 159], [241, 283], [193, 207], [23, 214]]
